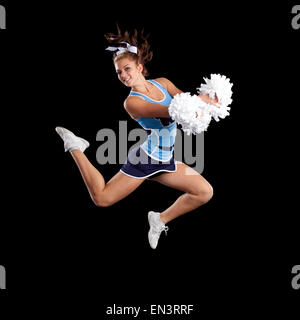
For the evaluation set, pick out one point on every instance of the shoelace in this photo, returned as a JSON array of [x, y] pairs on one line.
[[163, 228]]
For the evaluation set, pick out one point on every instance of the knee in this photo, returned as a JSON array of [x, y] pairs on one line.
[[102, 201], [205, 194]]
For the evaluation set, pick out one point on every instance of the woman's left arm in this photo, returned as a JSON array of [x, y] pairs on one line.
[[173, 90]]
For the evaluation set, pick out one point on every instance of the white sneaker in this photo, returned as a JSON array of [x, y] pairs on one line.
[[156, 228], [71, 142]]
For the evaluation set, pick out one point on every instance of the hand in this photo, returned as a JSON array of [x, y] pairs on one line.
[[214, 102], [207, 99]]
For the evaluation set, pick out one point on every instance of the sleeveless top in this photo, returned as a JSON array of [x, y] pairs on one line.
[[161, 131]]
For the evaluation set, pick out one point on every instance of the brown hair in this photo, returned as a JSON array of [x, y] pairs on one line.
[[144, 54]]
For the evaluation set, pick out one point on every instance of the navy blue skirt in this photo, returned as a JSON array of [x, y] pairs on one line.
[[139, 165]]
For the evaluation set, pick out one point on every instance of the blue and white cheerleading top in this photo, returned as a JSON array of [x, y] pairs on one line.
[[161, 131]]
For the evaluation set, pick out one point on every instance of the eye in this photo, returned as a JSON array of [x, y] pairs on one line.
[[127, 68]]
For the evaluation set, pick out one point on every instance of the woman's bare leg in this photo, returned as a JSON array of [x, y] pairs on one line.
[[103, 194], [197, 191]]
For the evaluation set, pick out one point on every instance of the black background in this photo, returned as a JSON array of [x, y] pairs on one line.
[[234, 255]]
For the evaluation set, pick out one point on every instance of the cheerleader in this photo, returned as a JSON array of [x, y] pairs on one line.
[[148, 104]]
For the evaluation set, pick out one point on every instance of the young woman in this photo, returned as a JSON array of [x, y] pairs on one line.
[[147, 104]]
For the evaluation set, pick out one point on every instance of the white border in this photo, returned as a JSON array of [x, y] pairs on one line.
[[176, 162]]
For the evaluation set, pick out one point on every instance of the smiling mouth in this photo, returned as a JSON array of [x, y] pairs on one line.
[[127, 80]]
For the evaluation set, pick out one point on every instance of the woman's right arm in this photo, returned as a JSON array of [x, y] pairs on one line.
[[137, 108]]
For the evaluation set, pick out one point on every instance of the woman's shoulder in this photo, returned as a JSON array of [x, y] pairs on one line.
[[132, 99], [168, 85], [163, 81]]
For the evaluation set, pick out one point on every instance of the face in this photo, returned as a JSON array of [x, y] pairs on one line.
[[129, 73]]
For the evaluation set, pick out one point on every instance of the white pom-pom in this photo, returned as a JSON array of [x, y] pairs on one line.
[[219, 86], [190, 112]]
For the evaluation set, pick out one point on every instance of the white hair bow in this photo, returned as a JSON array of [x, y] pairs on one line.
[[119, 50]]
